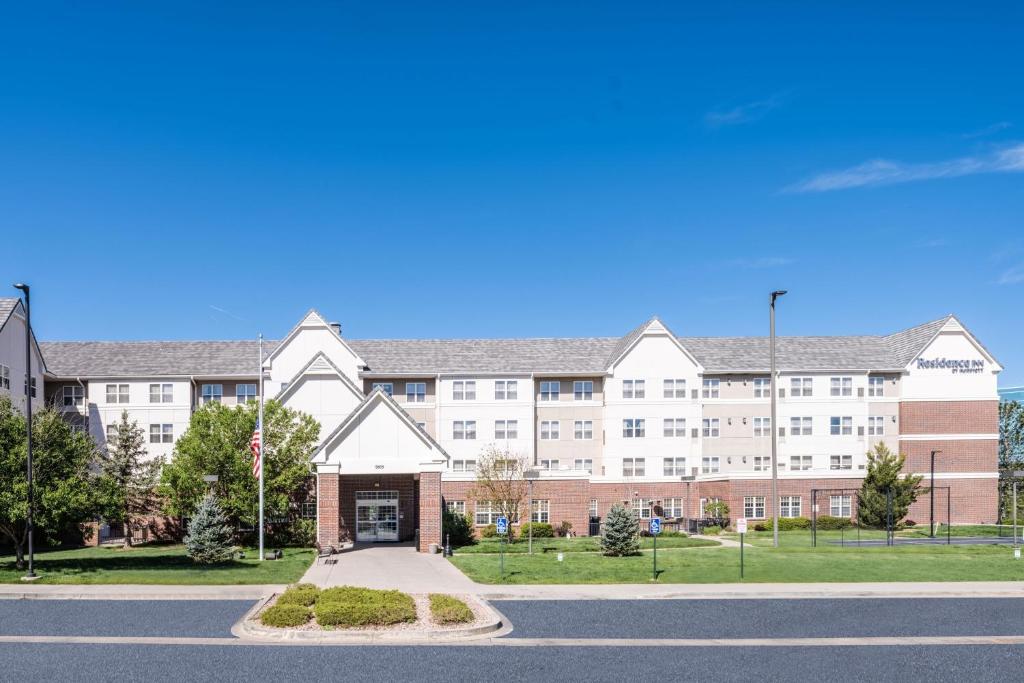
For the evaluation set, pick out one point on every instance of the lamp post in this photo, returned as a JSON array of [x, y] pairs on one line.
[[931, 497], [28, 429], [775, 431], [530, 475]]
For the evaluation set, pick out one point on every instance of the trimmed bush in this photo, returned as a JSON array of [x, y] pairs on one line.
[[712, 530], [444, 609], [829, 523], [285, 616], [785, 524], [491, 531], [540, 530], [456, 528], [304, 594], [348, 606]]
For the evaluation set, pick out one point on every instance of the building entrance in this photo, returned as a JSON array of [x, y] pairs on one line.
[[376, 516]]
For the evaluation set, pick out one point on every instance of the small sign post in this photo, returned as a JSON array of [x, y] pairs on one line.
[[741, 528], [502, 528], [655, 529]]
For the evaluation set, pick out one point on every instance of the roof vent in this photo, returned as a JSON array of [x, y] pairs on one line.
[[336, 327]]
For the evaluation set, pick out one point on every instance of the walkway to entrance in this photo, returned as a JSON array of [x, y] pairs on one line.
[[391, 566]]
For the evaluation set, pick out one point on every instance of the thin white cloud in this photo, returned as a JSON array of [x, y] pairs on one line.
[[226, 312], [1013, 275], [934, 243], [743, 113], [885, 172], [760, 262], [987, 130]]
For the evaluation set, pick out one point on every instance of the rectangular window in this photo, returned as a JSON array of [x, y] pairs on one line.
[[876, 386], [112, 433], [710, 427], [642, 508], [387, 387], [161, 433], [801, 386], [539, 513], [762, 463], [25, 387], [839, 506], [463, 465], [486, 513], [840, 462], [74, 395], [5, 377], [673, 467], [464, 429], [415, 392], [789, 506], [583, 390], [549, 430], [876, 425], [506, 429], [583, 464], [762, 426], [464, 390], [753, 507], [593, 507], [549, 391], [212, 392], [117, 393], [243, 393], [633, 428], [801, 462], [633, 388], [457, 507], [674, 426], [841, 386], [164, 393], [709, 464], [762, 387], [840, 426], [506, 390], [549, 464], [672, 507], [800, 426], [633, 467], [583, 430], [674, 388], [709, 388]]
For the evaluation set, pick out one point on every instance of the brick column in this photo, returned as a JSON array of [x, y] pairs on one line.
[[328, 516], [430, 510]]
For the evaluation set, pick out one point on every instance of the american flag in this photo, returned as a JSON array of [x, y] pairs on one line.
[[254, 446]]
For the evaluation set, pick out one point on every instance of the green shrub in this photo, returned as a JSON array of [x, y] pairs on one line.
[[348, 606], [456, 528], [786, 524], [712, 530], [829, 523], [563, 528], [540, 530], [304, 594], [716, 508], [621, 532], [444, 609], [284, 616], [491, 531], [297, 533]]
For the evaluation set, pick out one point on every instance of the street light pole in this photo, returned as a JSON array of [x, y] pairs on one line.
[[775, 430], [931, 496], [28, 422]]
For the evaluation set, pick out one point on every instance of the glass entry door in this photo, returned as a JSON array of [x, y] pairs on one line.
[[376, 516]]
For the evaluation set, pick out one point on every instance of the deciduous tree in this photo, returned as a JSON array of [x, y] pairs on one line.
[[500, 480]]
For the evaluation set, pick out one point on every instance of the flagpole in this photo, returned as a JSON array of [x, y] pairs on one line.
[[263, 435]]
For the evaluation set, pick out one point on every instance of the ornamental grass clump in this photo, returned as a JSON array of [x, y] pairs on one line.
[[347, 607], [285, 616], [445, 609], [304, 594]]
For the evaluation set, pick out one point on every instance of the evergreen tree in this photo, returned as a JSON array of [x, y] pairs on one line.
[[129, 478], [209, 539], [884, 473], [1011, 454], [621, 532]]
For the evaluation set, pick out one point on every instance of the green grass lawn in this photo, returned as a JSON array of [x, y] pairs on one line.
[[802, 537], [788, 564], [156, 564], [580, 544]]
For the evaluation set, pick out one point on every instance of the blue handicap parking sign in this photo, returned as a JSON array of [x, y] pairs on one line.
[[656, 525], [502, 525]]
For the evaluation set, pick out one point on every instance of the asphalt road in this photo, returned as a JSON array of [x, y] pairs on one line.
[[809, 618], [151, 618]]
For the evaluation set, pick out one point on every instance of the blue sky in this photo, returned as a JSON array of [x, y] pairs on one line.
[[212, 170]]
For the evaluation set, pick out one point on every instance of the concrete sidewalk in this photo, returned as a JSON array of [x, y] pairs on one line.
[[390, 566]]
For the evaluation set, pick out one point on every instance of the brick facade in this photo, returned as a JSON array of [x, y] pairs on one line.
[[949, 417], [430, 509], [407, 495], [327, 528]]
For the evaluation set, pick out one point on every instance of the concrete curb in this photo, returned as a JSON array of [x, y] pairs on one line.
[[250, 630], [129, 592]]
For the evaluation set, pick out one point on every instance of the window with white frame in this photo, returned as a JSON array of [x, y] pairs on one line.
[[710, 426], [633, 428], [506, 429], [762, 463], [387, 387], [839, 506], [117, 393], [211, 393], [415, 392], [464, 390], [633, 388], [801, 462], [672, 507], [583, 430], [753, 507], [762, 387], [876, 386], [789, 506], [762, 426], [549, 430], [111, 433], [540, 512], [642, 508], [673, 467], [800, 426], [457, 507], [674, 388], [549, 391], [840, 426], [549, 464], [583, 464], [506, 390], [5, 377], [25, 387], [486, 513], [583, 390], [157, 393], [464, 429], [74, 396], [243, 393], [709, 388], [840, 462], [841, 386], [709, 464], [161, 433], [463, 465], [801, 386], [876, 425], [593, 507], [674, 427], [633, 467]]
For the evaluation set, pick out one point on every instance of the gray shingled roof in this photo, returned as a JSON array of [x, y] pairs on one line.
[[586, 355], [7, 306]]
